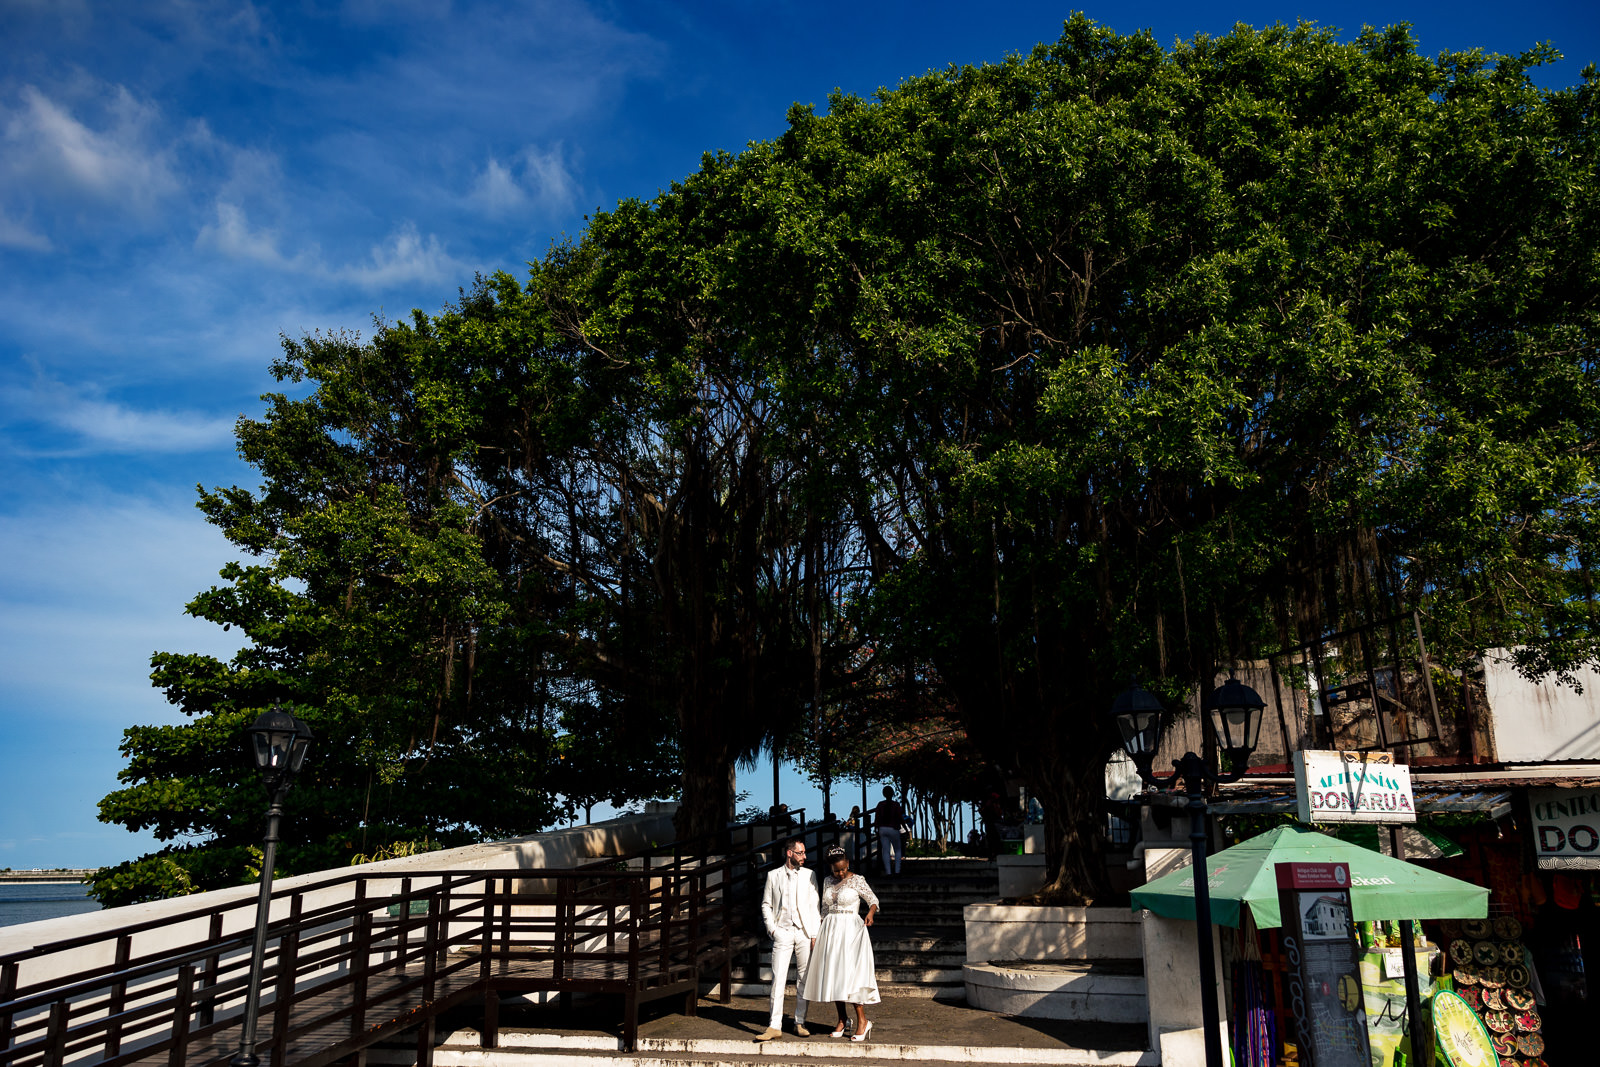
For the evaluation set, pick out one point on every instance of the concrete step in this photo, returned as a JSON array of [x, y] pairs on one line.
[[906, 913], [921, 864], [944, 988], [521, 1048], [941, 894], [1109, 991], [763, 971]]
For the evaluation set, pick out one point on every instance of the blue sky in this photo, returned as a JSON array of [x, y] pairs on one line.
[[183, 180]]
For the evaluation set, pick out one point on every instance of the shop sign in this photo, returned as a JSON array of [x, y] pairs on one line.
[[1566, 822], [1323, 976], [1353, 787]]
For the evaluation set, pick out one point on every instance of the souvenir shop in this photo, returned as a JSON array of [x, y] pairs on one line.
[[1520, 967]]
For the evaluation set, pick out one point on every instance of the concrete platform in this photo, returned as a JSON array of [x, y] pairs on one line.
[[1099, 990], [920, 1030]]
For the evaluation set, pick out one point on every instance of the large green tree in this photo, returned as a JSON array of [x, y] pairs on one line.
[[1138, 362], [1106, 361], [1176, 355]]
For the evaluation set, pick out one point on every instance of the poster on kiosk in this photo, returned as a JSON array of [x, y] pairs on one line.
[[1324, 964]]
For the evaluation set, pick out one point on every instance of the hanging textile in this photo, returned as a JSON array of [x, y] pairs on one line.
[[1254, 1030]]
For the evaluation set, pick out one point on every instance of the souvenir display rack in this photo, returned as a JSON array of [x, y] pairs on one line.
[[1492, 970]]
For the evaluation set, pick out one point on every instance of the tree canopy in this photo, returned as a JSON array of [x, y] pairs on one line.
[[1106, 361]]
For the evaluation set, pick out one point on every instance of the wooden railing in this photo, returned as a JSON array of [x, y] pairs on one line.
[[361, 957]]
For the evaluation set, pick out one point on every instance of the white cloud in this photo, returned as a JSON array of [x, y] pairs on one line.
[[546, 183], [16, 235], [551, 178], [111, 427], [405, 257], [50, 150], [107, 427], [231, 235], [497, 191]]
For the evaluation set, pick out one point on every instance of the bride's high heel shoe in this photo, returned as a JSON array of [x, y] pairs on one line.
[[839, 1031], [862, 1036]]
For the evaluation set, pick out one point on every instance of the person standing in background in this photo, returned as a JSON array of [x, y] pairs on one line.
[[992, 813], [789, 907], [887, 817]]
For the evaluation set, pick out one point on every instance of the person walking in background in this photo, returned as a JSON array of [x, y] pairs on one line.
[[842, 968], [887, 817], [992, 813], [789, 909]]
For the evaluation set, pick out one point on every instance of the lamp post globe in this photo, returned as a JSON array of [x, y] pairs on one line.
[[278, 744], [1138, 713], [1236, 719]]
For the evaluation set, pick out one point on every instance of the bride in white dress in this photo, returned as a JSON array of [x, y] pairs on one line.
[[841, 964]]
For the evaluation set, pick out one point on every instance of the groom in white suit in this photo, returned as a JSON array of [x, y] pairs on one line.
[[790, 909]]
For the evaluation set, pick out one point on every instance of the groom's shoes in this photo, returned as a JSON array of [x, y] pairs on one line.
[[768, 1034], [801, 1031]]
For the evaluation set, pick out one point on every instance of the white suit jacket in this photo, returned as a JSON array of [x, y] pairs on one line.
[[810, 911]]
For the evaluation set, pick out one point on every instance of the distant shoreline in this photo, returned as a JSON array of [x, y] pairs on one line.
[[61, 874]]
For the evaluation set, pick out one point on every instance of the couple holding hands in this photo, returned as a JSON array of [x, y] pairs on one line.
[[826, 937]]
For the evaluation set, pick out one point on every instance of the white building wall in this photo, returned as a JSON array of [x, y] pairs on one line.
[[1534, 721]]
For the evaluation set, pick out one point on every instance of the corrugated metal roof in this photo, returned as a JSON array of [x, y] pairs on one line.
[[1493, 802]]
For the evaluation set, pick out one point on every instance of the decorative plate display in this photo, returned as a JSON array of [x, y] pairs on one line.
[[1511, 952], [1492, 1001], [1504, 1045], [1461, 1036], [1476, 928], [1507, 928], [1461, 950], [1498, 1021], [1531, 1045], [1472, 995], [1527, 1021], [1450, 928], [1517, 975], [1465, 976], [1492, 977], [1485, 952], [1518, 999]]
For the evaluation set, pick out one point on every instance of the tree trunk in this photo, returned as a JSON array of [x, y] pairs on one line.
[[707, 801], [1074, 820]]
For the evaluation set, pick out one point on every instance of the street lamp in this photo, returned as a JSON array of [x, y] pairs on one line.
[[1235, 715], [278, 741]]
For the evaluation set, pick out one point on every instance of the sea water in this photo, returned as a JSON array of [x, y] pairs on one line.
[[26, 902]]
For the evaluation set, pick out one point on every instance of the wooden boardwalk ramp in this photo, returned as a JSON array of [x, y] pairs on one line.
[[360, 958]]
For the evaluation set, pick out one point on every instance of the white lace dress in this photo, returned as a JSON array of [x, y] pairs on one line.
[[841, 964]]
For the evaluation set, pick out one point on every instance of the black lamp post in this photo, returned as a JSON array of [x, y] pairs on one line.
[[278, 741], [1235, 715]]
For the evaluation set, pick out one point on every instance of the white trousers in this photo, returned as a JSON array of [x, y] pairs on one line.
[[891, 846], [789, 942]]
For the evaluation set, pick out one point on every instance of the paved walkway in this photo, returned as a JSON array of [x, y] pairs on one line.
[[904, 1029]]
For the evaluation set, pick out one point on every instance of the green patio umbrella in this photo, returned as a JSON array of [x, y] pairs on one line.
[[1381, 887]]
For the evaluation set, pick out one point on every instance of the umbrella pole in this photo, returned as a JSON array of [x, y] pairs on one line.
[[1421, 1049]]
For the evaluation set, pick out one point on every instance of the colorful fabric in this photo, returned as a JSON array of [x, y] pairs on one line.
[[1254, 1030]]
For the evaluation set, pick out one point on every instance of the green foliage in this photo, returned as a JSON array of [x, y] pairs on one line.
[[1136, 362], [1105, 361], [395, 850]]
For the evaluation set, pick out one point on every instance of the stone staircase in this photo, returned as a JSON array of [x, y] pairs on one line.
[[919, 940]]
